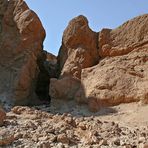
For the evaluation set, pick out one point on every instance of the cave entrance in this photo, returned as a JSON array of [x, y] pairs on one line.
[[43, 79]]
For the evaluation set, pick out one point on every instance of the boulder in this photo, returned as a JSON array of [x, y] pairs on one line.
[[125, 38], [64, 89], [78, 51], [79, 48], [21, 41]]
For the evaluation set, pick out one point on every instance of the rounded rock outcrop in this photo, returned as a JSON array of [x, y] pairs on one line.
[[21, 42]]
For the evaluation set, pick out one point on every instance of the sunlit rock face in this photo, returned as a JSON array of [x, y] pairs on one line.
[[21, 40], [122, 74], [112, 71], [79, 48], [122, 40], [78, 51]]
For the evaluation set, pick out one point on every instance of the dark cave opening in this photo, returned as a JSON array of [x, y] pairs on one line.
[[43, 79]]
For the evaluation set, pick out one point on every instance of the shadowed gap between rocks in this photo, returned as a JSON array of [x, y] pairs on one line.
[[47, 70]]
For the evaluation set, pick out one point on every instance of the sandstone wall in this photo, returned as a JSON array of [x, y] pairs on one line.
[[21, 41]]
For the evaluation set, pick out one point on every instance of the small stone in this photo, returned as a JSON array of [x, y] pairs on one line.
[[116, 141], [128, 146], [35, 138], [52, 138], [103, 142], [141, 139], [63, 139], [70, 133], [18, 136], [43, 144], [43, 138], [59, 145], [82, 125], [68, 120]]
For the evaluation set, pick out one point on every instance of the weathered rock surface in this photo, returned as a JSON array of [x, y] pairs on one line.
[[121, 75], [64, 89], [21, 39], [124, 39], [116, 80], [79, 48], [78, 51]]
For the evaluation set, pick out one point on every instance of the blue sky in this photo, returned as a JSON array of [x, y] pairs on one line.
[[55, 15]]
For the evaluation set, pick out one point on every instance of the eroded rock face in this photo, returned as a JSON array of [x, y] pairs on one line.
[[121, 76], [79, 48], [21, 38], [64, 89], [116, 80], [125, 38]]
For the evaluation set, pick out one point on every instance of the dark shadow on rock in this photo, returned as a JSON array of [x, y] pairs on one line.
[[46, 71]]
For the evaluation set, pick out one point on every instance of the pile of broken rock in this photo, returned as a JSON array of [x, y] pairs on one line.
[[31, 128]]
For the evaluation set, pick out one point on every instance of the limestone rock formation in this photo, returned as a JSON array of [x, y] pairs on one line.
[[64, 88], [125, 38], [79, 48], [121, 74], [21, 40], [78, 51], [116, 80]]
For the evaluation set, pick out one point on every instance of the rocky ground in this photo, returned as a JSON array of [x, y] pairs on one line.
[[64, 126]]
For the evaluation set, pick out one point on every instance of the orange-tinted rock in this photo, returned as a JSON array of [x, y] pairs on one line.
[[21, 38], [79, 48], [116, 80], [64, 89], [78, 51], [125, 38], [122, 76]]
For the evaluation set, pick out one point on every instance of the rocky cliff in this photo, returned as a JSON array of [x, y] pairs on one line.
[[21, 42], [100, 69], [105, 68], [106, 71]]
